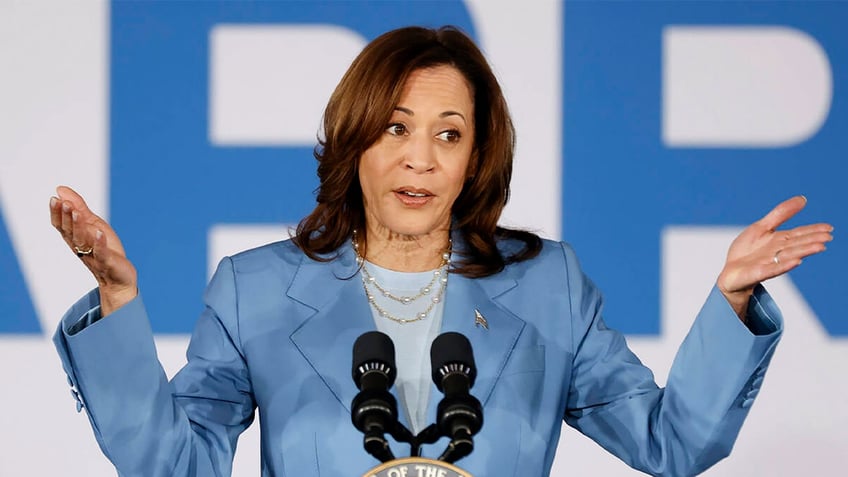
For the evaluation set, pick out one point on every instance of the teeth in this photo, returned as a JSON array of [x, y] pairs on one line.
[[414, 194]]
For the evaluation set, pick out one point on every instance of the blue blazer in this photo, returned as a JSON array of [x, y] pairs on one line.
[[277, 334]]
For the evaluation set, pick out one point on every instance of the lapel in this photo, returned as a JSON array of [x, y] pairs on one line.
[[340, 314], [493, 346]]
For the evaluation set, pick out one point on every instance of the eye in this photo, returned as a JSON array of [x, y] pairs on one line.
[[451, 135], [396, 129]]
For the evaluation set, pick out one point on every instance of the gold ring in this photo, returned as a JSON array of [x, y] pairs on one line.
[[81, 253]]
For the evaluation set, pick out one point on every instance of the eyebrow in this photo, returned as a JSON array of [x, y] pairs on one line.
[[441, 115]]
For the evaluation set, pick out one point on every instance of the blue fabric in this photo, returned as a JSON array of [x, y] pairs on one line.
[[412, 340], [278, 330]]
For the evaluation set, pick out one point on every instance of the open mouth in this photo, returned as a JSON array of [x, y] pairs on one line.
[[412, 197]]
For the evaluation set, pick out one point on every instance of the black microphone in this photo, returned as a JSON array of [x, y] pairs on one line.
[[459, 414], [374, 409]]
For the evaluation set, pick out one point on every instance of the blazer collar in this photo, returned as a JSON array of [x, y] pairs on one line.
[[341, 313]]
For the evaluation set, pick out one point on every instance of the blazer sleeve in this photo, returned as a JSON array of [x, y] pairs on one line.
[[144, 424], [693, 422]]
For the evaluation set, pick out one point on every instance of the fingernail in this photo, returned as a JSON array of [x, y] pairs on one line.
[[98, 234], [53, 201], [804, 197], [74, 216], [66, 207]]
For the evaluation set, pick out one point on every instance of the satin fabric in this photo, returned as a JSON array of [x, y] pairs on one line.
[[277, 332]]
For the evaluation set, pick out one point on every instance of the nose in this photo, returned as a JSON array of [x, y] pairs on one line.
[[420, 155]]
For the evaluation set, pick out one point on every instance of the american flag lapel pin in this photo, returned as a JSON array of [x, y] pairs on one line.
[[480, 320]]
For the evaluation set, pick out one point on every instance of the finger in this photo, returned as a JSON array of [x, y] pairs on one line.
[[79, 232], [780, 263], [807, 229], [76, 202], [99, 256], [783, 212], [67, 194], [795, 254], [812, 237], [86, 216], [99, 244], [95, 261], [56, 213], [67, 224]]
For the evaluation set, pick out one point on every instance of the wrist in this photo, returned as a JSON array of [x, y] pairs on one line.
[[738, 300], [113, 299]]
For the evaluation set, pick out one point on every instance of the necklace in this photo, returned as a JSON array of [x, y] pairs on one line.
[[439, 281]]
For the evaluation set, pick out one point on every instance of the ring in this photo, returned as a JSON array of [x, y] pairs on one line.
[[81, 253], [776, 259]]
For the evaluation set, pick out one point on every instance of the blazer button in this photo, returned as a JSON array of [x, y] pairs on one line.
[[747, 403], [70, 381], [79, 406]]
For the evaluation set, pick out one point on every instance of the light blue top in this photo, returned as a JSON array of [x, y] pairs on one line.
[[412, 340]]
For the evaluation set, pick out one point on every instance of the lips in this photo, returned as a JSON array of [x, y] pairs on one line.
[[413, 197], [413, 192]]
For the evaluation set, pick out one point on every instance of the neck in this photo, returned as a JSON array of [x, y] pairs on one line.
[[406, 253]]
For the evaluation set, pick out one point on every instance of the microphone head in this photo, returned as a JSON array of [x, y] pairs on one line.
[[373, 352], [450, 354]]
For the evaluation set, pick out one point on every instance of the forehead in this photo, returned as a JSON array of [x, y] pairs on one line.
[[441, 85]]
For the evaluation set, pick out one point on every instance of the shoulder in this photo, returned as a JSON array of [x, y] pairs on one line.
[[283, 251], [549, 290], [555, 273], [553, 256], [267, 264], [282, 262]]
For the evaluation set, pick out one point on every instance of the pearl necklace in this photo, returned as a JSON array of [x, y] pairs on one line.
[[440, 279]]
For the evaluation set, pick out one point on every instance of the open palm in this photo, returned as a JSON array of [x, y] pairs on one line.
[[761, 251]]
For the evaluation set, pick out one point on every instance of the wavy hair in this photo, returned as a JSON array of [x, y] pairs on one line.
[[356, 116]]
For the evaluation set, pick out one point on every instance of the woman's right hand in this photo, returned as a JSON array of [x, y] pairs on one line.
[[97, 245]]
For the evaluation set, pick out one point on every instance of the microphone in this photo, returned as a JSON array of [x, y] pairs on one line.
[[374, 409], [459, 414]]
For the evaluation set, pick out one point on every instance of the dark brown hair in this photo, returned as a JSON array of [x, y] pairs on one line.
[[357, 115]]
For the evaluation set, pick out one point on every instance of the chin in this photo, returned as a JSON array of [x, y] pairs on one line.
[[413, 228], [411, 231]]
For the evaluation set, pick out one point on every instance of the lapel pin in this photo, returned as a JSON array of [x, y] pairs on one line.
[[479, 320]]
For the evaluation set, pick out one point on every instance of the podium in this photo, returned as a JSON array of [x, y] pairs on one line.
[[416, 467]]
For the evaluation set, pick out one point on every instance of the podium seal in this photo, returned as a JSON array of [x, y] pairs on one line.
[[416, 467]]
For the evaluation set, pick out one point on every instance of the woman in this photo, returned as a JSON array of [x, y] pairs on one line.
[[414, 173]]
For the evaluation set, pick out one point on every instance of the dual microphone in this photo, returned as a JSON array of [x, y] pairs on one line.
[[374, 412]]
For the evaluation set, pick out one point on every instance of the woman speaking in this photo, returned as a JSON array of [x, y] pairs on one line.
[[414, 165]]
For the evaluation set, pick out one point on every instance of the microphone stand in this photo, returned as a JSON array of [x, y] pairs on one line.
[[429, 435], [375, 443], [460, 445]]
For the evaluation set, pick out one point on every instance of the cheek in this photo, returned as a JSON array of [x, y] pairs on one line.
[[373, 166], [367, 175], [461, 173]]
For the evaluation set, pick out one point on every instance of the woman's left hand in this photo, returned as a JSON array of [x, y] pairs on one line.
[[761, 252]]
